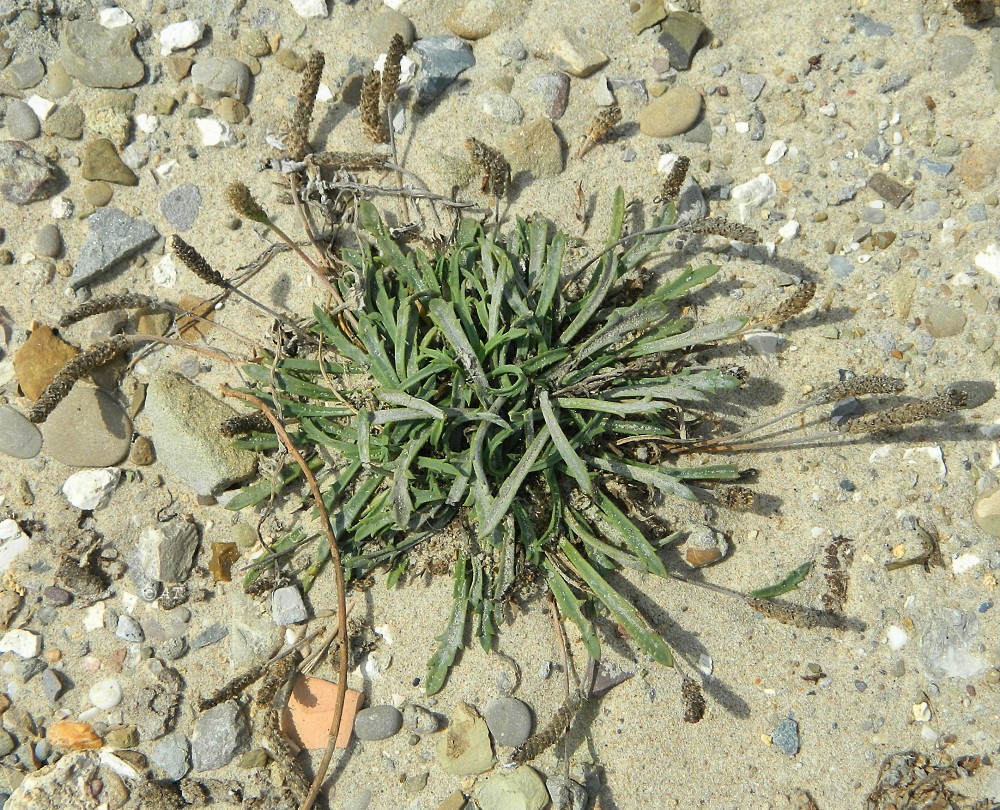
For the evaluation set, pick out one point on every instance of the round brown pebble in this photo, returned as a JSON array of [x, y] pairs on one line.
[[98, 193], [142, 453]]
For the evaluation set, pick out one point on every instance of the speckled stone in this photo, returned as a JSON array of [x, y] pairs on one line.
[[509, 721], [18, 437], [377, 723], [66, 121], [21, 122]]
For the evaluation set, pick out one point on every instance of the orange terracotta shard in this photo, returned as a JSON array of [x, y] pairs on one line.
[[75, 736], [309, 716]]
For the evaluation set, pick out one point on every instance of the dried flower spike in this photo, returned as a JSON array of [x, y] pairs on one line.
[[372, 120], [197, 263], [792, 305], [391, 68], [694, 700], [539, 742], [298, 137], [675, 179], [859, 387], [86, 361], [107, 303], [606, 120], [244, 423], [493, 166], [242, 201], [902, 415], [348, 161], [720, 226]]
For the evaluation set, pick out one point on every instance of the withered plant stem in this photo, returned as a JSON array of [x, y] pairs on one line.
[[338, 571]]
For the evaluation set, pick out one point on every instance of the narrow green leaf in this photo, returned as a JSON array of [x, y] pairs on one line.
[[573, 462], [363, 422], [693, 337], [569, 606], [508, 489], [646, 639], [444, 316], [789, 583], [407, 401], [630, 534], [686, 280], [453, 638], [644, 474]]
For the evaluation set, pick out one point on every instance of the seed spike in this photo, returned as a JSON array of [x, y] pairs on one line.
[[86, 361], [197, 263], [951, 400], [391, 68], [492, 164], [242, 201], [298, 137], [372, 121], [107, 303]]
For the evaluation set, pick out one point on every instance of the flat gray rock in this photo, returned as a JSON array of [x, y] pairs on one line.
[[18, 437], [101, 57], [443, 58], [287, 606], [181, 206], [27, 72], [88, 429], [166, 552], [171, 756], [21, 122], [377, 723], [221, 76], [112, 236], [509, 720], [219, 735], [186, 434], [25, 175]]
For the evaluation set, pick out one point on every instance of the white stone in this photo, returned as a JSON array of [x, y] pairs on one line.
[[147, 123], [989, 260], [921, 712], [742, 127], [933, 452], [177, 36], [309, 8], [61, 208], [165, 271], [91, 489], [106, 694], [114, 17], [752, 195], [324, 93], [666, 163], [896, 637], [41, 107], [829, 109], [789, 230], [214, 133], [12, 542], [21, 642], [93, 617], [964, 563], [775, 153], [164, 170]]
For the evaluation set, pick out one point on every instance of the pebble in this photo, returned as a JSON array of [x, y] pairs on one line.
[[888, 189], [509, 721], [181, 206], [840, 266], [232, 111], [88, 429], [21, 122], [649, 13], [90, 490], [954, 53], [465, 747], [166, 552], [52, 685], [978, 166], [13, 541], [310, 8], [554, 90], [480, 18], [578, 58], [986, 512], [180, 35], [102, 162], [129, 630], [7, 743], [671, 114], [25, 175], [186, 434], [101, 57], [785, 736], [66, 122], [39, 359], [502, 107], [419, 720], [520, 788], [219, 76], [535, 148], [386, 24], [106, 693], [142, 453], [210, 635], [26, 73], [112, 236], [21, 642], [943, 320], [172, 649], [443, 59], [939, 167], [48, 241], [752, 195], [19, 438], [877, 150], [287, 606], [219, 735], [681, 34], [290, 60], [377, 723], [98, 193], [752, 84], [171, 756]]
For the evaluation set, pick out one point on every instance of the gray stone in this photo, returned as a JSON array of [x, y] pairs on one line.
[[52, 685], [166, 552], [682, 32], [926, 210], [26, 73], [877, 150], [171, 755], [30, 668], [172, 649], [48, 241], [147, 587], [939, 167], [25, 175], [21, 122], [752, 84], [503, 107], [554, 90], [181, 206], [954, 53], [757, 122], [18, 437], [88, 429], [219, 735], [699, 133], [212, 634], [443, 58], [566, 793], [66, 122], [509, 721], [840, 266], [896, 81], [287, 606], [7, 743], [419, 720], [867, 26], [186, 435], [101, 57], [377, 723], [385, 24], [976, 213], [943, 320], [112, 236], [221, 76], [129, 630], [785, 737]]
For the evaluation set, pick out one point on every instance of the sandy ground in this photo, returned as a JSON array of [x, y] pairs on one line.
[[634, 744]]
